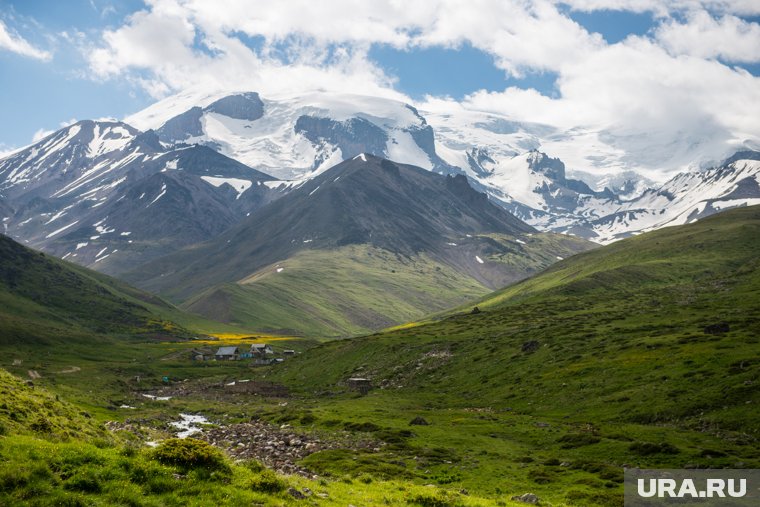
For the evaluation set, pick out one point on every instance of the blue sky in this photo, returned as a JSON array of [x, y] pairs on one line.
[[79, 59]]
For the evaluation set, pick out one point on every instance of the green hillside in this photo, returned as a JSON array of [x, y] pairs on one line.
[[44, 300], [53, 453], [358, 288], [363, 246], [642, 353]]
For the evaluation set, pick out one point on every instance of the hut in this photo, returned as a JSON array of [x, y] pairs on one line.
[[261, 349], [227, 354]]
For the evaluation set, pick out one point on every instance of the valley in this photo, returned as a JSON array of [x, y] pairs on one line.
[[372, 254], [642, 353]]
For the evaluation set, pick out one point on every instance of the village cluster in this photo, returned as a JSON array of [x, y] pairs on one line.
[[259, 353]]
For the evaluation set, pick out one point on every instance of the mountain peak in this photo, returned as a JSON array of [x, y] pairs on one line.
[[366, 200]]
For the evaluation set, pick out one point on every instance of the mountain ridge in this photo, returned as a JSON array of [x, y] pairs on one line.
[[402, 215]]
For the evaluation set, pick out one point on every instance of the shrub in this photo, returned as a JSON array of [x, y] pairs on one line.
[[86, 481], [41, 425], [367, 427], [574, 440], [267, 482], [648, 448], [190, 453], [435, 500], [253, 465]]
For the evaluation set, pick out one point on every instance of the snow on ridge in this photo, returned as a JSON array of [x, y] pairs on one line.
[[160, 195], [58, 231], [240, 185]]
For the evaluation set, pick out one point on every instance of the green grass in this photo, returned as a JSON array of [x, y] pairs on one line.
[[602, 359], [44, 300], [74, 461], [358, 289], [341, 292]]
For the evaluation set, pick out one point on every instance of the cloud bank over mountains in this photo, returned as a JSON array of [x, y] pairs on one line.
[[683, 84]]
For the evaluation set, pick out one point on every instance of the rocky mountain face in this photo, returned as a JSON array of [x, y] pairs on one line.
[[110, 195], [366, 200], [296, 138], [364, 245], [107, 196]]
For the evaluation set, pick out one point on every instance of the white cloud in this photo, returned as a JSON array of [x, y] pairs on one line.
[[659, 111], [41, 134], [651, 102], [729, 37], [6, 151], [666, 7], [15, 43]]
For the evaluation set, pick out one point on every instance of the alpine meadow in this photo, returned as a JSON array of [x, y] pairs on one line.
[[367, 253]]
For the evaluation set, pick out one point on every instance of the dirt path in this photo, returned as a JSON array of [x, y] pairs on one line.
[[33, 374]]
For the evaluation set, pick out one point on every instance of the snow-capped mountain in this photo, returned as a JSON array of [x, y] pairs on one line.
[[538, 192], [684, 199], [298, 137], [113, 194], [97, 189]]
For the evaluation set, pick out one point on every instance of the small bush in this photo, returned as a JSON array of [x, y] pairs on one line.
[[86, 481], [41, 425], [12, 479], [253, 465], [367, 427], [435, 500], [190, 453], [308, 418], [571, 441], [648, 448], [160, 484], [542, 475], [267, 482]]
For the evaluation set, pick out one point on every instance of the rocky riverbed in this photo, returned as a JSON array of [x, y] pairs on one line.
[[278, 447]]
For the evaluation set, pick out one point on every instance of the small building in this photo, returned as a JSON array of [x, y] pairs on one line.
[[289, 352], [363, 385], [261, 349], [227, 354]]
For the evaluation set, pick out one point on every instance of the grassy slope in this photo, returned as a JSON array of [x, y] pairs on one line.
[[46, 300], [357, 289], [623, 371], [52, 454]]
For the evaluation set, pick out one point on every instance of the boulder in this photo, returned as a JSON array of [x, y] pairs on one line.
[[526, 498]]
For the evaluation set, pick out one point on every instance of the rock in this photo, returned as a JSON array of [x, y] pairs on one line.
[[296, 494], [526, 498], [418, 421]]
